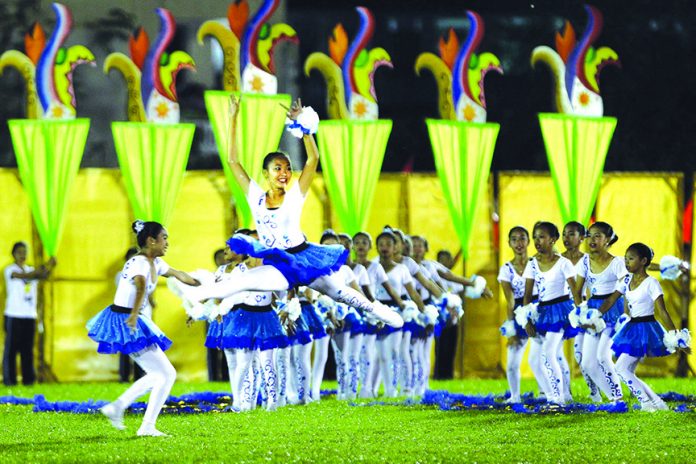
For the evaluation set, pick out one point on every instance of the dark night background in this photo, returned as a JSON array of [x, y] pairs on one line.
[[652, 94]]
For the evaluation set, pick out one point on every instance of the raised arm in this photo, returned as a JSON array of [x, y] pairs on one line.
[[182, 277], [310, 167], [240, 175]]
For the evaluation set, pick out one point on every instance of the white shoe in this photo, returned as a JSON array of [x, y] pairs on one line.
[[512, 400], [660, 405], [648, 407], [387, 315], [150, 432], [114, 414]]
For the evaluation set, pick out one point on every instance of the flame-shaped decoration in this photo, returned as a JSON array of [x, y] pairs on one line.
[[576, 65], [459, 72], [349, 71], [47, 68], [150, 73], [248, 46]]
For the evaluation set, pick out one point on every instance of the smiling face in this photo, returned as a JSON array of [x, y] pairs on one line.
[[634, 263], [543, 242], [519, 242], [160, 244], [572, 238], [597, 240], [278, 172]]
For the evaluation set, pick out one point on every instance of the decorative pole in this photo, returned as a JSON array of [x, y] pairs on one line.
[[248, 47], [463, 142], [48, 144], [152, 147], [353, 143], [577, 138]]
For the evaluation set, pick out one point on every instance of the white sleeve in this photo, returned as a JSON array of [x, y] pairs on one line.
[[136, 266], [529, 272], [348, 274], [411, 265], [568, 270], [622, 284], [654, 288], [618, 267], [161, 266], [254, 193], [582, 268], [380, 276], [407, 278], [504, 273], [361, 274], [8, 272]]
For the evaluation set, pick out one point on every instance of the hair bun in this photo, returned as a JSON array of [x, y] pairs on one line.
[[138, 226]]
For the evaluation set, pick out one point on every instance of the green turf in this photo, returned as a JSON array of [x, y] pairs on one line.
[[332, 431]]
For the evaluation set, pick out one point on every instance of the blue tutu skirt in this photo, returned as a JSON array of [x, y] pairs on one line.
[[214, 337], [640, 339], [299, 268], [387, 329], [360, 326], [554, 318], [302, 334], [109, 330], [253, 330], [313, 321], [611, 316]]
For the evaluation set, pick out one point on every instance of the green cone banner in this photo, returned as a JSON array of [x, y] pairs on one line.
[[463, 154], [351, 160], [48, 157], [576, 148], [153, 161], [259, 129]]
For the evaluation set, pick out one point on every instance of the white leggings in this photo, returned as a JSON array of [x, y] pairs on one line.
[[355, 348], [406, 364], [301, 367], [418, 356], [388, 348], [626, 369], [596, 360], [321, 355], [368, 365], [553, 341], [537, 362], [282, 358], [269, 279], [341, 346], [426, 364], [578, 353], [243, 384], [158, 380], [514, 361]]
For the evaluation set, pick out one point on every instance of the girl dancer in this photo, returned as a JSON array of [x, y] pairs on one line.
[[289, 260], [550, 272], [121, 329], [369, 372], [601, 271], [573, 235], [513, 285], [642, 335]]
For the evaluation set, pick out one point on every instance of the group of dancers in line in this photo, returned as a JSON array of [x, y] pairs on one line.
[[388, 316], [606, 303]]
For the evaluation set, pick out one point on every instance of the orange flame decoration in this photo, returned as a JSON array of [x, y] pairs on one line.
[[35, 42], [138, 46], [237, 16], [338, 44], [449, 49], [565, 43]]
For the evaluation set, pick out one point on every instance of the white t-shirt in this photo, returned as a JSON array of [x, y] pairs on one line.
[[551, 284], [411, 265], [508, 274], [377, 276], [605, 282], [21, 294], [138, 265], [250, 298], [641, 301], [361, 275], [422, 291], [147, 309], [398, 278], [280, 227], [346, 275]]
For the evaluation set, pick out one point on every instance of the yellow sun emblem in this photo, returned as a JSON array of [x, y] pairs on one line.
[[57, 112], [469, 112], [584, 99], [257, 84], [360, 109], [162, 110]]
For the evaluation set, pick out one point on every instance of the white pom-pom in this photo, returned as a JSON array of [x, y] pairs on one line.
[[675, 339], [477, 289], [508, 329], [293, 308], [307, 122], [670, 267], [521, 316], [199, 311], [575, 316], [324, 304], [593, 317], [453, 300], [526, 313], [431, 315], [410, 311], [340, 311]]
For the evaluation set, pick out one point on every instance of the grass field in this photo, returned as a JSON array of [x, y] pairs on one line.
[[332, 431]]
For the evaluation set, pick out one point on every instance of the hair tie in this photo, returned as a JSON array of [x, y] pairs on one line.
[[138, 226]]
